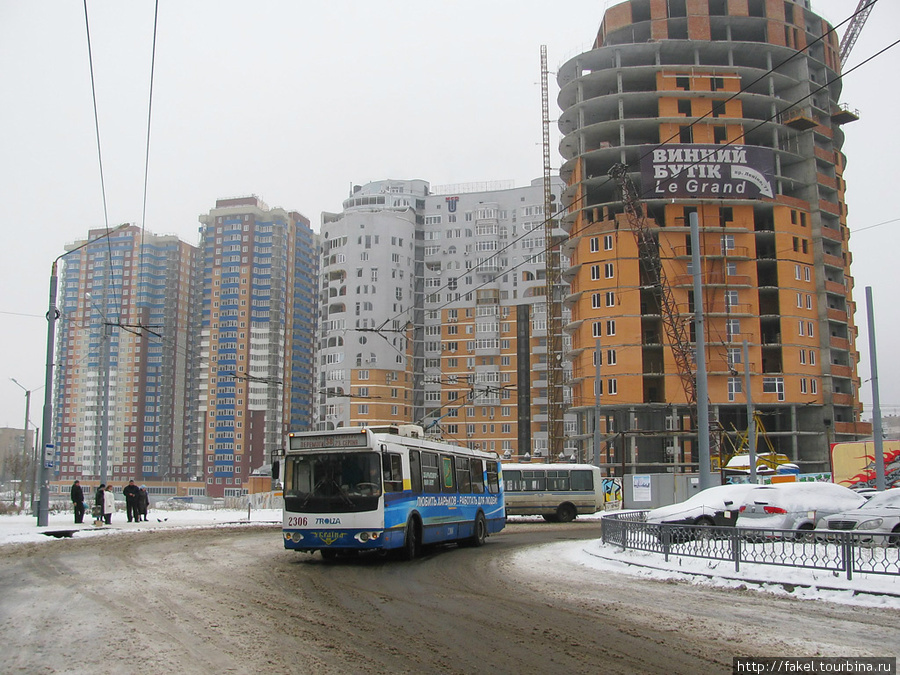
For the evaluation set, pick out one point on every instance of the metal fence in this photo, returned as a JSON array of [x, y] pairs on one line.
[[834, 551]]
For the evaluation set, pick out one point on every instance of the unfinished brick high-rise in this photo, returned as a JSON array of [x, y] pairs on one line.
[[729, 109]]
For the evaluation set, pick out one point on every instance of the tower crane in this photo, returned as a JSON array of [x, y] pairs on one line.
[[555, 425], [674, 323], [863, 9]]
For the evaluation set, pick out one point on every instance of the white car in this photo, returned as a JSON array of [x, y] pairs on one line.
[[879, 515], [795, 506], [714, 506]]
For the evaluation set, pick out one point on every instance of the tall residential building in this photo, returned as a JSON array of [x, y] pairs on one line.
[[433, 312], [257, 341], [728, 109], [124, 349]]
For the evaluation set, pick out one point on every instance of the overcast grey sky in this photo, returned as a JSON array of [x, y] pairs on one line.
[[294, 101]]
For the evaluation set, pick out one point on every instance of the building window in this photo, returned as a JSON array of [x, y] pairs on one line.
[[610, 357], [595, 244], [732, 328], [597, 329], [734, 387], [612, 387], [611, 327], [608, 271], [802, 385], [608, 242], [774, 385], [596, 300], [610, 299], [595, 272]]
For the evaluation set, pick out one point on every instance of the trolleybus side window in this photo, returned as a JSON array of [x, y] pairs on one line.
[[431, 475], [512, 480], [447, 478], [415, 471], [477, 476], [582, 480], [392, 467], [463, 477], [494, 477]]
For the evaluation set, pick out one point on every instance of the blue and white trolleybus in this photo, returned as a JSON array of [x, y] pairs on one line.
[[381, 488]]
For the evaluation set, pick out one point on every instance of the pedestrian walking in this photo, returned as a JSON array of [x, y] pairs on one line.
[[97, 508], [77, 495], [143, 503], [131, 492], [109, 504]]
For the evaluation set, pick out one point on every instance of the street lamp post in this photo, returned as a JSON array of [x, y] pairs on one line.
[[47, 423], [24, 442]]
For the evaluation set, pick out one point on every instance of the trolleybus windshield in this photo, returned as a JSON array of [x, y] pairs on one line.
[[332, 482]]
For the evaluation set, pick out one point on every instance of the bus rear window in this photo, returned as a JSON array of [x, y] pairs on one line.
[[582, 480]]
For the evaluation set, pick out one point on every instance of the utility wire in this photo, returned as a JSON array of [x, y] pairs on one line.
[[720, 105]]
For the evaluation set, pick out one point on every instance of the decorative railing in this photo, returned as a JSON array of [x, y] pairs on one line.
[[836, 551]]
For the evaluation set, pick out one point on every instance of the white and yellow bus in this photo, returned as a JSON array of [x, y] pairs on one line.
[[558, 492]]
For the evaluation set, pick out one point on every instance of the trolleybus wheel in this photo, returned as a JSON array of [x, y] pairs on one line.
[[479, 533], [411, 544]]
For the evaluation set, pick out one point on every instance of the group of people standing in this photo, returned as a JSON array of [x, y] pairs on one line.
[[137, 502]]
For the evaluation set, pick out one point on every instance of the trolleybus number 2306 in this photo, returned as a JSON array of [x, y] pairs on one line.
[[356, 489]]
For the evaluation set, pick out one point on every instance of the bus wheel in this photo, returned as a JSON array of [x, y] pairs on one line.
[[328, 554], [550, 517], [565, 513], [479, 533], [411, 544]]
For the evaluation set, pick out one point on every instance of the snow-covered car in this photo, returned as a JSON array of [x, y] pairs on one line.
[[795, 506], [880, 515], [714, 506]]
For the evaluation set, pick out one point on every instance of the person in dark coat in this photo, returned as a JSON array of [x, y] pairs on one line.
[[78, 502], [131, 493], [143, 501], [98, 504]]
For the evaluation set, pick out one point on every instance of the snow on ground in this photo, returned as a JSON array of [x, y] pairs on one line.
[[19, 529], [872, 590]]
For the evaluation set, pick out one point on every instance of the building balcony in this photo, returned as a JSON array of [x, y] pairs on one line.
[[841, 371], [837, 315]]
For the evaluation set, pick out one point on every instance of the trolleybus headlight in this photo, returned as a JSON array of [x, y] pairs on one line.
[[296, 536], [366, 536]]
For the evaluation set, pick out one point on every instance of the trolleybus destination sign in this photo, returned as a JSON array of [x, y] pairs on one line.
[[715, 171]]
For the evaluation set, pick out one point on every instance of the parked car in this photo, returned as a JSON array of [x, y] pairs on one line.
[[714, 506], [795, 506], [880, 516]]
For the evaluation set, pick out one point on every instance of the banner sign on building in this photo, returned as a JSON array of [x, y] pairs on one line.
[[708, 171]]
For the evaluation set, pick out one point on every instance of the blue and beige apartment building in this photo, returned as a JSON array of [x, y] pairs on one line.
[[124, 349], [256, 347], [186, 364]]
